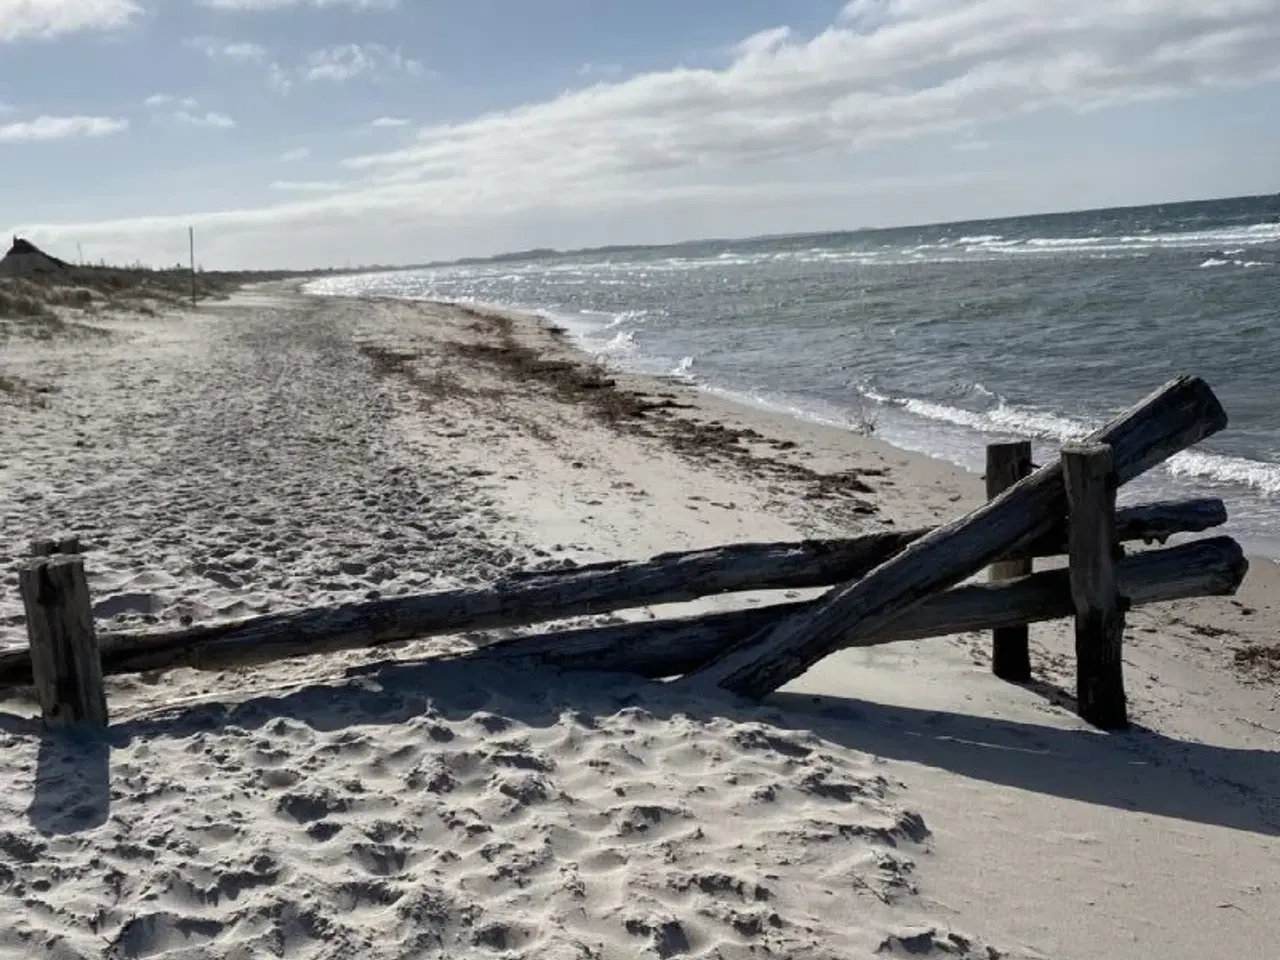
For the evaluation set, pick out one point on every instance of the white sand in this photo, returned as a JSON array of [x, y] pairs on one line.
[[893, 802]]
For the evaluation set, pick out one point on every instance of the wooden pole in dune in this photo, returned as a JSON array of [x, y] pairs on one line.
[[191, 239], [1007, 463], [1090, 480]]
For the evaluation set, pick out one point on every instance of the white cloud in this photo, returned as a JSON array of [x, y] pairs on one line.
[[218, 121], [298, 153], [349, 60], [278, 78], [22, 19], [47, 128], [932, 65], [389, 122], [157, 100], [884, 71], [260, 5], [230, 51], [307, 186], [344, 62], [186, 110]]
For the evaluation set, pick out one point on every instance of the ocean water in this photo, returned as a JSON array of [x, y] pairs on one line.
[[946, 337]]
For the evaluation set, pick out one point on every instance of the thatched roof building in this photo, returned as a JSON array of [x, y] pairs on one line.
[[24, 258]]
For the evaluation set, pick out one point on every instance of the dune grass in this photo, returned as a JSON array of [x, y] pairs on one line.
[[62, 302]]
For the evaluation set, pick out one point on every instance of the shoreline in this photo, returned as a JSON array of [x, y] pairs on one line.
[[903, 487], [942, 422]]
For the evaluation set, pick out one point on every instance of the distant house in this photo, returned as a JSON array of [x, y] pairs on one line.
[[25, 258]]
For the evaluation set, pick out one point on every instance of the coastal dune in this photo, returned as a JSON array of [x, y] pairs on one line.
[[278, 450]]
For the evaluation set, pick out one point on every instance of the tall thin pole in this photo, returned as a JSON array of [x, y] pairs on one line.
[[191, 237]]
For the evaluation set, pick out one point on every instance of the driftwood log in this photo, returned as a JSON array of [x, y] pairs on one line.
[[1180, 414], [668, 648], [672, 647], [537, 597]]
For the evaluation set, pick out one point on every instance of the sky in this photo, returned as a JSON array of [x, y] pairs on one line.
[[311, 133]]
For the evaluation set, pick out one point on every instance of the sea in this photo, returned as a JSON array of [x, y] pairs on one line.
[[946, 337]]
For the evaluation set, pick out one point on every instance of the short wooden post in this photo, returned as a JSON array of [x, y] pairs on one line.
[[1092, 549], [66, 665], [1007, 463], [50, 548]]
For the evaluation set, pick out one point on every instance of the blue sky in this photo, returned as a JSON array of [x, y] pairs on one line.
[[316, 132]]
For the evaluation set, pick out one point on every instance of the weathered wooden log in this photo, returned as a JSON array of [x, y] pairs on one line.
[[671, 647], [1008, 463], [668, 648], [1091, 496], [65, 665], [1171, 419], [598, 588]]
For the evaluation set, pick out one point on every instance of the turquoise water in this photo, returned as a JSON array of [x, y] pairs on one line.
[[946, 336]]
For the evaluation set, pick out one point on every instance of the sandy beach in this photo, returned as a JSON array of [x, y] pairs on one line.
[[276, 451]]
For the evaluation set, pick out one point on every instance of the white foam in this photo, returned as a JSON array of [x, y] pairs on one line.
[[1238, 471], [684, 368], [1003, 418]]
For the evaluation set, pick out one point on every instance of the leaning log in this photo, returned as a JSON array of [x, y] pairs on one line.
[[668, 648], [1181, 413], [587, 590]]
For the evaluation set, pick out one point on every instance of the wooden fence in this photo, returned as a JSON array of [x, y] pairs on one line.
[[886, 587]]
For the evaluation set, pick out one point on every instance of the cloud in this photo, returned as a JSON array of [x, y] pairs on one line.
[[278, 78], [307, 186], [157, 100], [298, 153], [884, 71], [260, 5], [350, 60], [926, 66], [186, 111], [342, 63], [383, 123], [23, 19], [43, 129], [228, 51], [218, 121]]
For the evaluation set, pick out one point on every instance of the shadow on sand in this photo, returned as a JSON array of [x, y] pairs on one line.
[[73, 777], [1139, 770]]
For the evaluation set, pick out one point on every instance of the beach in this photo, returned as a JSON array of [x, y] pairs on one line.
[[278, 450]]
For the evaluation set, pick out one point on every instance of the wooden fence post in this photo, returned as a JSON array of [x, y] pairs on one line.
[[1091, 495], [66, 664], [1007, 463], [50, 548]]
